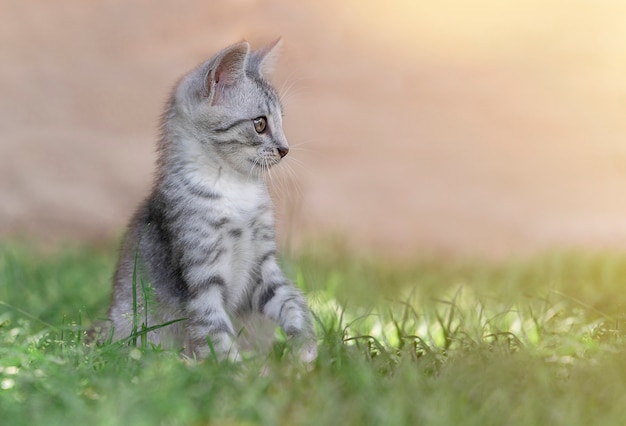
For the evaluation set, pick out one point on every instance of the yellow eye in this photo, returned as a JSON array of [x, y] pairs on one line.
[[260, 124]]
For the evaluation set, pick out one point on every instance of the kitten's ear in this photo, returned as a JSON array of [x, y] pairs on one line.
[[262, 61], [226, 68]]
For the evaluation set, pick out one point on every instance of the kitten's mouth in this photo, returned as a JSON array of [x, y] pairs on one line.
[[269, 157], [264, 162]]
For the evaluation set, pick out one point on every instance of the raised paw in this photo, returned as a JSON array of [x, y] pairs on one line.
[[308, 352]]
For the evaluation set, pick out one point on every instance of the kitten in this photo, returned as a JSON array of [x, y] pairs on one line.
[[204, 238]]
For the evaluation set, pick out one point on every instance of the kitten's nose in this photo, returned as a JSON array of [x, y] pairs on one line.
[[282, 151]]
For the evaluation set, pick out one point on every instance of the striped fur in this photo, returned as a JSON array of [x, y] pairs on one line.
[[204, 238]]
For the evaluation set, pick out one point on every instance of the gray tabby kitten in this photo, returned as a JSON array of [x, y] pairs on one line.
[[204, 238]]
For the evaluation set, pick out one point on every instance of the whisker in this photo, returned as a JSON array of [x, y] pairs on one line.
[[301, 149], [290, 179], [255, 165], [300, 164], [284, 179], [268, 170]]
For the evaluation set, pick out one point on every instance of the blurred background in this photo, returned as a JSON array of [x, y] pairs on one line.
[[481, 128]]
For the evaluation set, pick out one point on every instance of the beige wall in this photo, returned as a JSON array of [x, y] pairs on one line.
[[460, 127]]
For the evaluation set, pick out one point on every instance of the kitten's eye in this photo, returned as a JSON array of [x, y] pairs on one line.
[[260, 124]]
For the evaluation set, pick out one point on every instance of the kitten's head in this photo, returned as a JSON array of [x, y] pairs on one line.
[[229, 110]]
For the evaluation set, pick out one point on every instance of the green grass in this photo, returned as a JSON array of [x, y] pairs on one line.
[[531, 342]]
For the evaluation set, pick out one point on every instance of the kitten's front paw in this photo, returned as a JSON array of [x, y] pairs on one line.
[[234, 355], [308, 352]]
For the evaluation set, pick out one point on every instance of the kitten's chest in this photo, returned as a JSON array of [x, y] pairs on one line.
[[247, 235], [248, 229], [244, 206]]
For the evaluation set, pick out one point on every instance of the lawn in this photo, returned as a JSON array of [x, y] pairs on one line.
[[521, 342]]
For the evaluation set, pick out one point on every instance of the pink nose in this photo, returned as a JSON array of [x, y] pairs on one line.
[[282, 151]]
